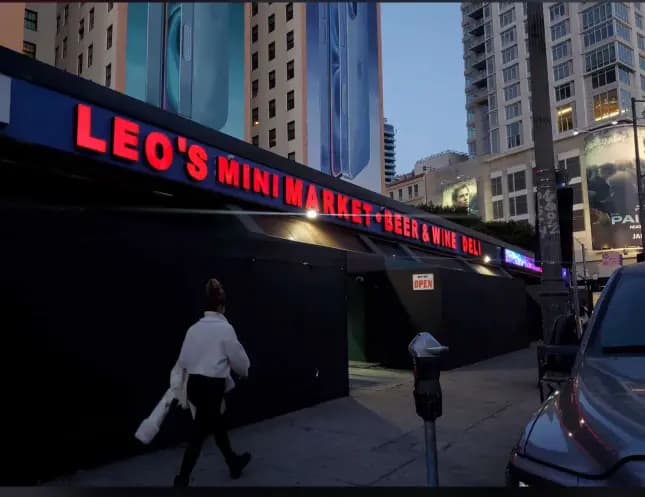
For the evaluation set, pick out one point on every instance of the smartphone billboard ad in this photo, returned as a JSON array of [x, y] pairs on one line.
[[345, 122], [189, 58], [608, 159], [463, 195]]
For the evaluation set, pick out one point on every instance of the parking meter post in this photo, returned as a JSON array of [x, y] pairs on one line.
[[425, 351], [432, 467]]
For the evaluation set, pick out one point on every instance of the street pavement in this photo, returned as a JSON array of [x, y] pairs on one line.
[[371, 438]]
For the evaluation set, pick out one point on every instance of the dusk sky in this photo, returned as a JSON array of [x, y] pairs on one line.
[[423, 79]]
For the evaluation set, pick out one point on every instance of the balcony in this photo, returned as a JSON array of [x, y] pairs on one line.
[[474, 10], [478, 61], [476, 28], [475, 95]]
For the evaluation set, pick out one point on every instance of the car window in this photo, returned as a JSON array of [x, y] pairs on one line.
[[622, 324]]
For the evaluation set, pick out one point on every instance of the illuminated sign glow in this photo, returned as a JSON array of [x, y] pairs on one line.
[[160, 151], [520, 260]]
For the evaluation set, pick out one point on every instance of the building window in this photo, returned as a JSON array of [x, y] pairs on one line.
[[564, 91], [517, 181], [596, 15], [255, 87], [514, 134], [571, 166], [272, 108], [598, 33], [641, 43], [291, 130], [254, 8], [563, 70], [291, 156], [492, 101], [560, 30], [511, 92], [639, 21], [509, 36], [272, 50], [291, 100], [400, 193], [29, 49], [603, 78], [291, 72], [579, 221], [90, 55], [625, 55], [513, 110], [492, 119], [57, 24], [498, 209], [642, 83], [91, 18], [496, 186], [507, 18], [490, 65], [624, 32], [254, 61], [605, 105], [108, 75], [65, 15], [272, 138], [409, 192], [109, 37], [517, 206], [624, 76], [289, 11], [254, 34], [509, 54], [621, 12], [79, 65], [56, 54], [64, 47], [566, 118], [625, 101], [511, 73], [110, 5], [271, 80], [600, 57], [290, 40], [81, 29], [494, 141], [557, 11], [256, 140], [31, 20], [255, 116], [416, 191], [271, 22], [641, 60], [561, 50]]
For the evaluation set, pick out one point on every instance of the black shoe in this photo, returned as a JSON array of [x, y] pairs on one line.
[[180, 482], [238, 464]]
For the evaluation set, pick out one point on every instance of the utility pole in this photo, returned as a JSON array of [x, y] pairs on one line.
[[554, 295]]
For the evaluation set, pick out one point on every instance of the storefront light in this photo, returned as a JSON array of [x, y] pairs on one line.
[[486, 259], [312, 214]]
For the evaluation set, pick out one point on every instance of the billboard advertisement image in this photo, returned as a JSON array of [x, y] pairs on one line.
[[345, 120], [462, 195], [608, 159], [172, 62]]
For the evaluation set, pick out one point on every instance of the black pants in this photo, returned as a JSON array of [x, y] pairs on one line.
[[206, 394]]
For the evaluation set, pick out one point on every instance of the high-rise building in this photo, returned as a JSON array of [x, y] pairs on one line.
[[316, 86], [29, 28], [596, 61], [390, 152]]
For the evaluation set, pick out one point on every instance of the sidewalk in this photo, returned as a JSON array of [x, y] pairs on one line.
[[371, 438]]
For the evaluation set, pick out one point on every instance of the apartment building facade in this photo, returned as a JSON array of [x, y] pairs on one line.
[[389, 145], [29, 28], [303, 109]]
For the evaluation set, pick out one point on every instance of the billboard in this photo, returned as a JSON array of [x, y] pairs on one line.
[[345, 122], [608, 159], [171, 61], [464, 195]]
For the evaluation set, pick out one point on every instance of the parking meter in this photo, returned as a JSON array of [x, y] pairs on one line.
[[426, 353]]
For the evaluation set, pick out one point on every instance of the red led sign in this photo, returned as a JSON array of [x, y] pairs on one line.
[[157, 150]]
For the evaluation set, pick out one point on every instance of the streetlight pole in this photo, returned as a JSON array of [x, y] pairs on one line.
[[639, 178], [554, 296]]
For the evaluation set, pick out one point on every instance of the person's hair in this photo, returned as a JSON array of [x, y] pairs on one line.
[[455, 192], [215, 296]]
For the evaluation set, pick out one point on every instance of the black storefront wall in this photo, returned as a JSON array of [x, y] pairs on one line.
[[477, 316], [96, 307]]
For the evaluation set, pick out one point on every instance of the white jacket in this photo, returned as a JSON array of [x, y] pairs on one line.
[[215, 336]]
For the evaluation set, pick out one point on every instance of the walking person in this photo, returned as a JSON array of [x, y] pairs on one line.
[[209, 353]]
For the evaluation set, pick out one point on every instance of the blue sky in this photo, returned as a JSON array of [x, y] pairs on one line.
[[423, 79]]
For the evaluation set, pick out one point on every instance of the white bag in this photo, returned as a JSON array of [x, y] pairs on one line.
[[150, 426]]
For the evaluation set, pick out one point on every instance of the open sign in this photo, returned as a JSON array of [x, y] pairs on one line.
[[423, 281]]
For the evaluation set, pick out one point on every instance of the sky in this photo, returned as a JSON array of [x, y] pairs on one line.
[[423, 79]]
